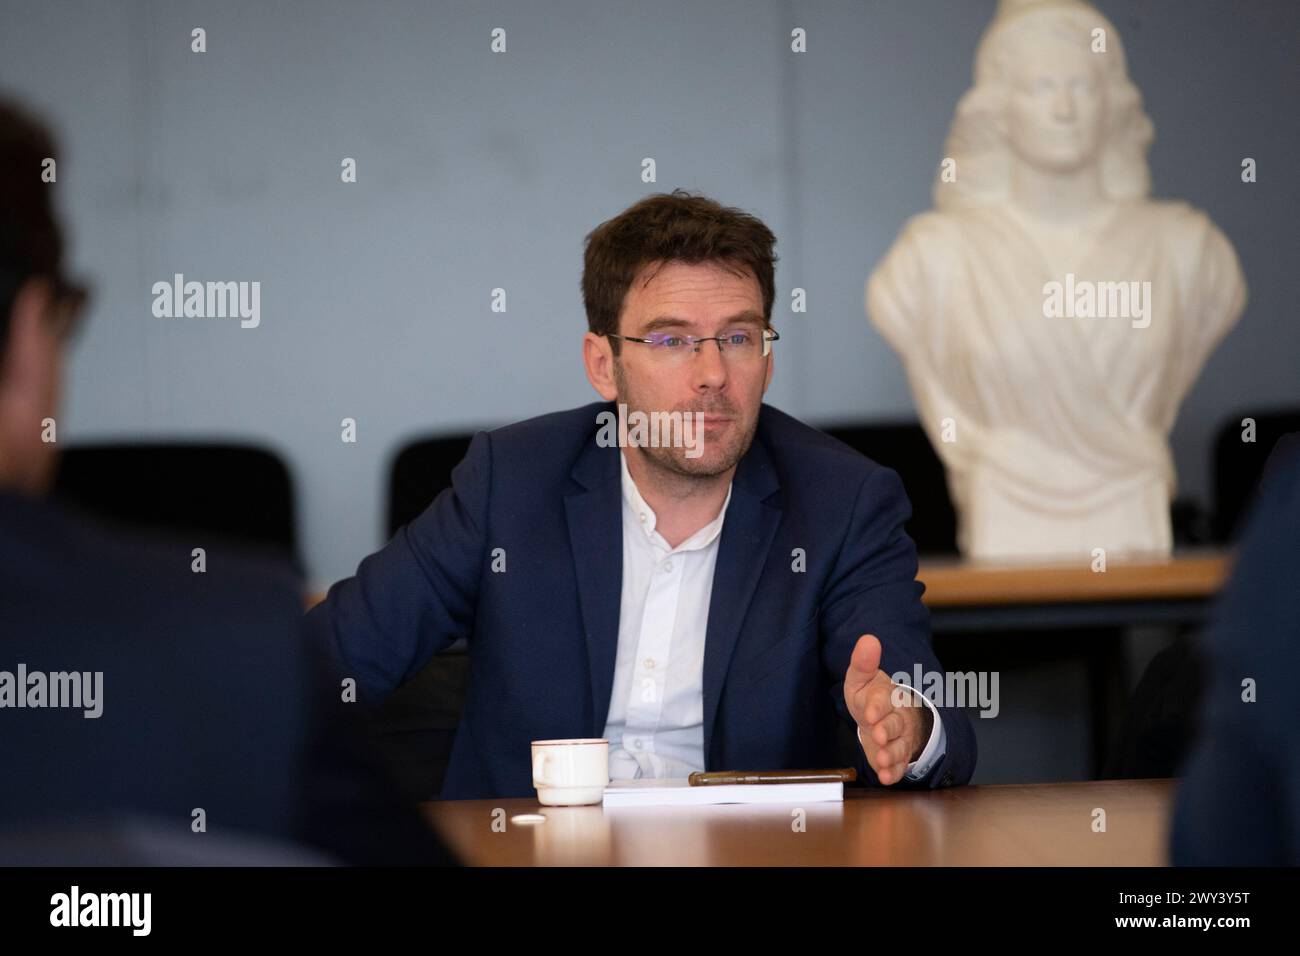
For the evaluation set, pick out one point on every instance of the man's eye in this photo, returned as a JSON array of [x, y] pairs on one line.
[[672, 341], [739, 339]]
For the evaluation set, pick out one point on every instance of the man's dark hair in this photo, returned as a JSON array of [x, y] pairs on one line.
[[31, 243], [669, 227]]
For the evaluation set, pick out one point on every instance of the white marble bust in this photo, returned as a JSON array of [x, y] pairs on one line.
[[1047, 387]]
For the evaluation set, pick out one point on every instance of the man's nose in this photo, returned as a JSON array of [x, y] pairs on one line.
[[708, 367]]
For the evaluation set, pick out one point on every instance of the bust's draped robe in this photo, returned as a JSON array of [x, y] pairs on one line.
[[1060, 425]]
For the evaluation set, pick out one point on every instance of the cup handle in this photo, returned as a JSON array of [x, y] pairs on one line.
[[539, 765]]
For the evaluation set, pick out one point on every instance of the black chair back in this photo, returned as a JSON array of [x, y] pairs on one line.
[[421, 470], [240, 494], [416, 726], [904, 447]]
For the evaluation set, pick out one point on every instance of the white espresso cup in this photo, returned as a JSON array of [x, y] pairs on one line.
[[570, 773]]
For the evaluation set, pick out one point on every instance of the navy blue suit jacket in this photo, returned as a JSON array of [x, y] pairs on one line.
[[543, 634], [1239, 802], [210, 699]]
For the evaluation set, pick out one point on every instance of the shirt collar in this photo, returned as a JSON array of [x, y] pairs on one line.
[[645, 517]]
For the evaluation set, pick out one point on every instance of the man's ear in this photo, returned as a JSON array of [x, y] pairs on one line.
[[598, 359]]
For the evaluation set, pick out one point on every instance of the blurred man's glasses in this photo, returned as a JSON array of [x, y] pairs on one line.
[[739, 345]]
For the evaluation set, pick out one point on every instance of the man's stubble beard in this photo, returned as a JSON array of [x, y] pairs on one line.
[[674, 460]]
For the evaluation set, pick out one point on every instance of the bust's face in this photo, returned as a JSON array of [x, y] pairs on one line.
[[1056, 110]]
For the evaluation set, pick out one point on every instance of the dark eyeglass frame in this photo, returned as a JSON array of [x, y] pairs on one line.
[[768, 336]]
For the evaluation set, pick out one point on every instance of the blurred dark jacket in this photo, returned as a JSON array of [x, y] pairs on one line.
[[210, 700], [1239, 801]]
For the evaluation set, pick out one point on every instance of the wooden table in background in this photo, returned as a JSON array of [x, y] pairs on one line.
[[953, 583], [1031, 825]]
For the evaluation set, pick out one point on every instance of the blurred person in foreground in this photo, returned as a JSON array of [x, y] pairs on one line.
[[1239, 800], [148, 714]]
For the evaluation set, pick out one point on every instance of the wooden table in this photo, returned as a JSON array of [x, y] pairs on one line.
[[1031, 825], [954, 583]]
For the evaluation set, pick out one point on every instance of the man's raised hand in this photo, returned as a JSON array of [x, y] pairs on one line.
[[891, 735]]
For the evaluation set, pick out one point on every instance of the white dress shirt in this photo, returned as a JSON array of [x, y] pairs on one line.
[[655, 725]]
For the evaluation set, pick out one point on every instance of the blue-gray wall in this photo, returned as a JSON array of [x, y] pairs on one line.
[[479, 170]]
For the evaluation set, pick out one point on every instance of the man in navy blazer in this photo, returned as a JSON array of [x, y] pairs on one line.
[[717, 601]]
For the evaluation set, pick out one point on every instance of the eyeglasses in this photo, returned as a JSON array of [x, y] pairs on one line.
[[741, 345]]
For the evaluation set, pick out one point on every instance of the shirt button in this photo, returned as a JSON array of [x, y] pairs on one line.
[[668, 565], [643, 517], [649, 663], [637, 744]]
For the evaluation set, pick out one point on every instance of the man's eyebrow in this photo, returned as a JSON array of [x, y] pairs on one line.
[[672, 322]]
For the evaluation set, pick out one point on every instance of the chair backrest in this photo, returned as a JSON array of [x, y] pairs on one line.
[[416, 726], [1238, 464], [240, 493], [904, 447], [421, 470], [1161, 721]]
